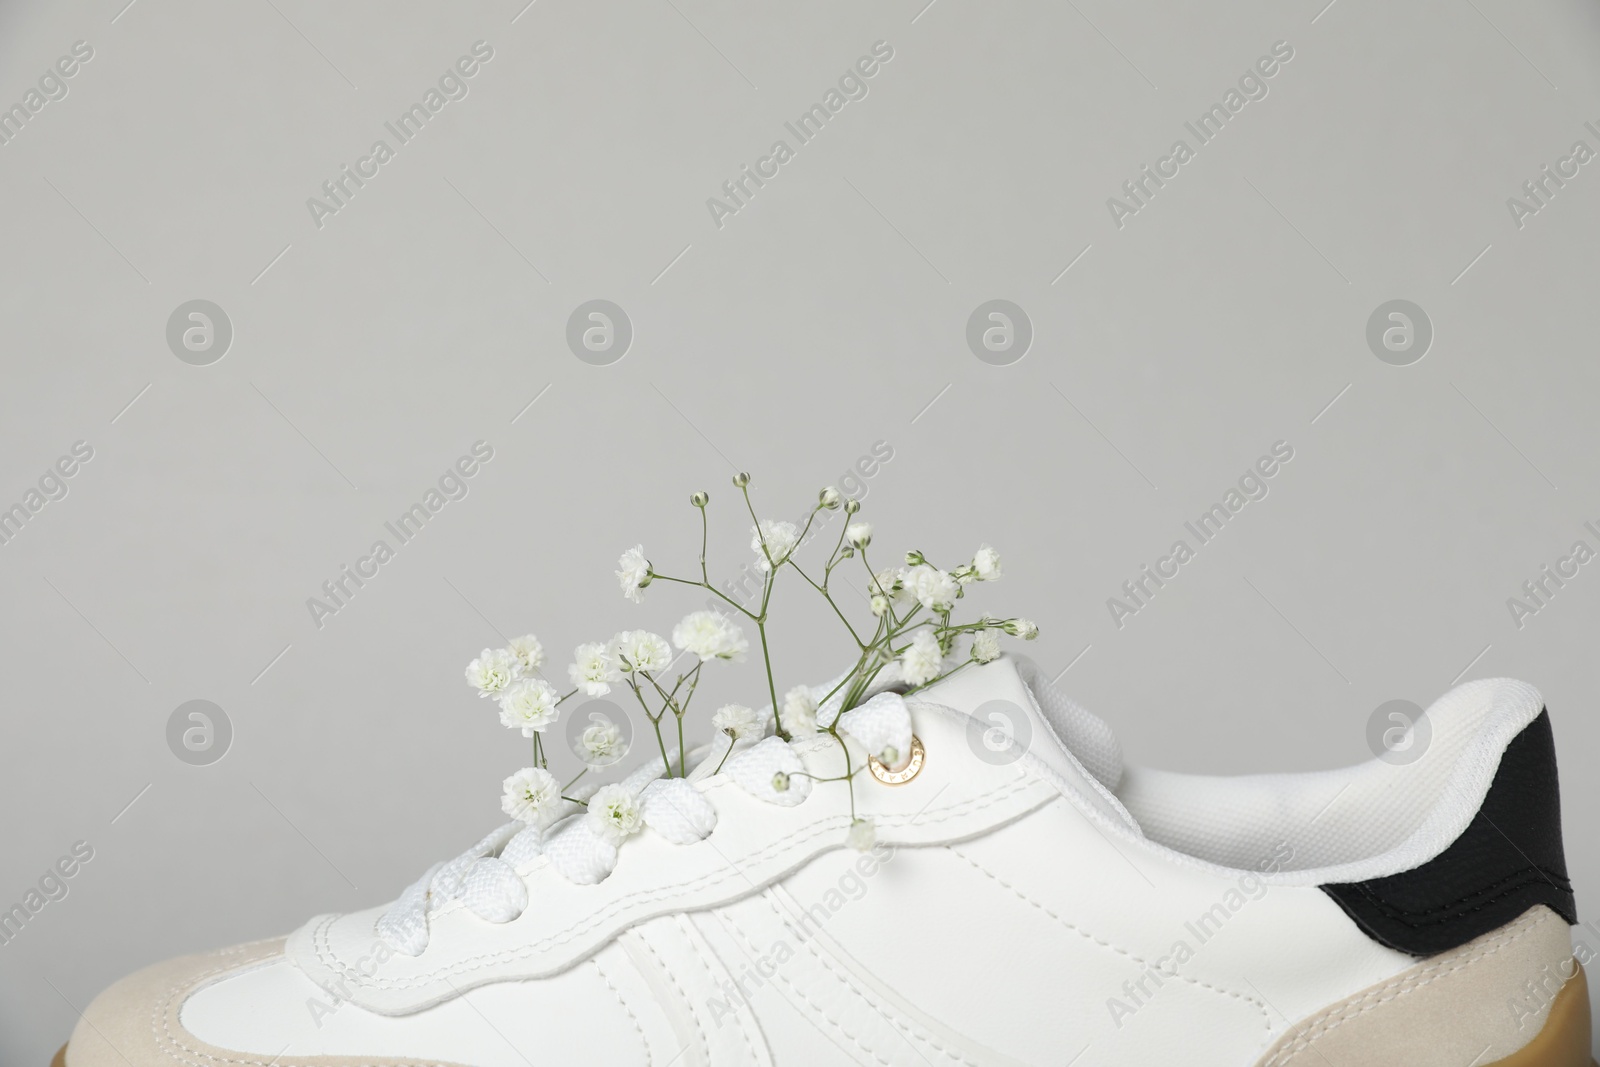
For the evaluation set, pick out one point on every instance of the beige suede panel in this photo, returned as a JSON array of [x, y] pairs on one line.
[[135, 1022], [1470, 1005]]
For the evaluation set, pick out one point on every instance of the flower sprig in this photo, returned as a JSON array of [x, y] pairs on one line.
[[911, 642]]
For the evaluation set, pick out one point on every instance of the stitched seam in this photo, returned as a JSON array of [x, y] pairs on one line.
[[849, 983], [815, 1007], [649, 1057], [1259, 1006], [168, 1043], [694, 1016], [327, 955], [1331, 1019], [1452, 910], [694, 947]]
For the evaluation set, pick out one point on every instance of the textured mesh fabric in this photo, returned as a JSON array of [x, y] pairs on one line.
[[1088, 738], [1342, 825]]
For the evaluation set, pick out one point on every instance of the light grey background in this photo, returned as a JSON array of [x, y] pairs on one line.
[[827, 315]]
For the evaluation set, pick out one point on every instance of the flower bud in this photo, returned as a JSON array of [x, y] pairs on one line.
[[741, 479], [890, 756], [1022, 628], [852, 506], [914, 558], [780, 782], [859, 534], [829, 498], [880, 605], [700, 500]]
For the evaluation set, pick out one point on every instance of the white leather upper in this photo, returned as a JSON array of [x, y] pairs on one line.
[[999, 921]]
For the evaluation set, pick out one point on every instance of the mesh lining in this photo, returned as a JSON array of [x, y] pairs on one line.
[[1374, 818]]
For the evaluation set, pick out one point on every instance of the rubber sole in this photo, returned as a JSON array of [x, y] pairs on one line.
[[1564, 1041]]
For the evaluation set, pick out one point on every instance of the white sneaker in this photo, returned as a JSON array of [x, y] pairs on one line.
[[1029, 900]]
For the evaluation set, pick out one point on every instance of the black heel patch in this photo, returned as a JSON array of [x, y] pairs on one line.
[[1507, 860]]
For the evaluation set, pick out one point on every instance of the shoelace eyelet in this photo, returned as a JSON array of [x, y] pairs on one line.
[[910, 770]]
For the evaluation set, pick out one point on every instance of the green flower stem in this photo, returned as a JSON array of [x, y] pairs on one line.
[[761, 620], [655, 721], [725, 755], [823, 589], [713, 590], [575, 800], [575, 778], [705, 524], [939, 678]]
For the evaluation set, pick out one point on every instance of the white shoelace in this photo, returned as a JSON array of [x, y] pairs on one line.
[[485, 877]]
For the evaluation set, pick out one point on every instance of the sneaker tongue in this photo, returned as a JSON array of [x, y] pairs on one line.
[[1015, 709]]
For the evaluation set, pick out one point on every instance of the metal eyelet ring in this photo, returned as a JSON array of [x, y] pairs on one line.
[[912, 768]]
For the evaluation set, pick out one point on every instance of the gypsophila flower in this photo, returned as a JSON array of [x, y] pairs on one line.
[[492, 671], [799, 712], [738, 722], [829, 498], [858, 534], [532, 796], [933, 588], [529, 652], [780, 539], [1022, 628], [986, 562], [861, 836], [985, 646], [922, 658], [633, 573], [601, 743], [529, 704], [710, 635], [592, 669], [614, 813], [890, 582], [640, 650], [780, 782], [880, 605]]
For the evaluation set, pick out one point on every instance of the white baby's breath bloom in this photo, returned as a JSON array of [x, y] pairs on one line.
[[738, 721], [492, 671], [933, 588], [528, 651], [614, 813], [890, 582], [799, 712], [633, 573], [601, 743], [861, 836], [921, 660], [592, 669], [640, 650], [858, 534], [986, 562], [780, 538], [985, 646], [532, 796], [880, 605], [529, 704], [1023, 628], [829, 498], [710, 635]]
